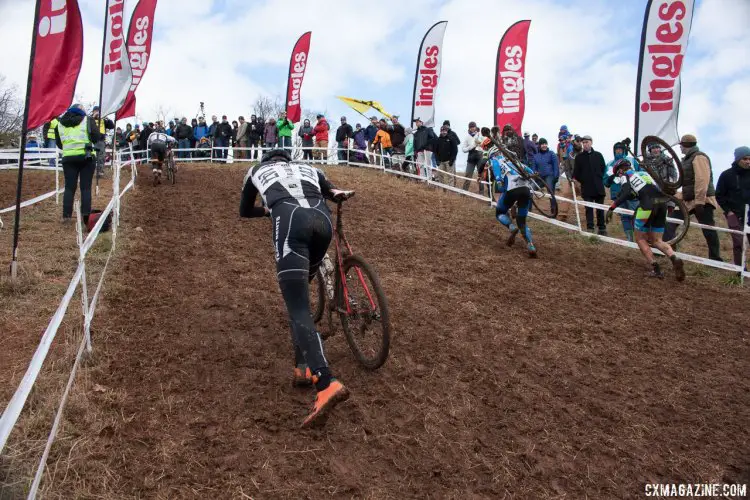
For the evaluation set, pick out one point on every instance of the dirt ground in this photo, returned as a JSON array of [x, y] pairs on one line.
[[570, 375]]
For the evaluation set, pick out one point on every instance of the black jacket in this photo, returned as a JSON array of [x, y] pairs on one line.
[[589, 171], [424, 139], [733, 190], [398, 135], [145, 133], [71, 120], [223, 130], [255, 130], [344, 132], [446, 148], [183, 131]]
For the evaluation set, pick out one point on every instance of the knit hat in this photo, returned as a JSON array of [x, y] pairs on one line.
[[447, 123], [472, 124], [741, 152], [542, 141], [688, 140]]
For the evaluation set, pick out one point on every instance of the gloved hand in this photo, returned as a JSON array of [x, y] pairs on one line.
[[610, 214], [610, 179], [698, 210]]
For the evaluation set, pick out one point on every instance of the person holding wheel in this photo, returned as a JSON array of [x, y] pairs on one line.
[[294, 195], [650, 216]]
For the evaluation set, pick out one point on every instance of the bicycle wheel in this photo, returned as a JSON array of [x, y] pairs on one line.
[[171, 170], [539, 189], [363, 310], [682, 229], [665, 169], [317, 296]]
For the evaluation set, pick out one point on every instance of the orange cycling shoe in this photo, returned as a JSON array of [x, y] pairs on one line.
[[325, 401]]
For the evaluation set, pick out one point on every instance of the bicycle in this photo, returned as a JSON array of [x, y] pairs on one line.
[[668, 184], [171, 166], [535, 182], [362, 309]]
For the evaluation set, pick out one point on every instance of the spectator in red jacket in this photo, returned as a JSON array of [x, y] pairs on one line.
[[321, 137]]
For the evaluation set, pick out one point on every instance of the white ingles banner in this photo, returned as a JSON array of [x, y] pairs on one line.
[[116, 72], [427, 78], [666, 28]]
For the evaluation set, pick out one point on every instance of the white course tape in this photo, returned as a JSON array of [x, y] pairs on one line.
[[17, 402], [32, 201]]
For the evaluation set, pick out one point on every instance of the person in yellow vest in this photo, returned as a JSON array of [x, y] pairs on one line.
[[76, 135], [99, 146], [48, 132]]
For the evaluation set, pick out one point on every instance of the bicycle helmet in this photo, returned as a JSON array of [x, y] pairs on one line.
[[279, 154], [621, 165]]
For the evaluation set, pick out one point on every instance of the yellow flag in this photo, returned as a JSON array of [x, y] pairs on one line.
[[362, 107]]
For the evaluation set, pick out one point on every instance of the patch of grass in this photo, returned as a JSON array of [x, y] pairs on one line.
[[592, 240]]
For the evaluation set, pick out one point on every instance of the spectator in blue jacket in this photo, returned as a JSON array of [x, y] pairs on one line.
[[201, 130], [546, 164], [370, 132], [530, 147], [615, 185]]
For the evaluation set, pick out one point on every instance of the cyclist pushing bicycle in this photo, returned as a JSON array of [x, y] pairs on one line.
[[650, 216], [158, 143], [293, 195]]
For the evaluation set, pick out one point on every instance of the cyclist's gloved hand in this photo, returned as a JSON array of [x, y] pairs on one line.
[[338, 195]]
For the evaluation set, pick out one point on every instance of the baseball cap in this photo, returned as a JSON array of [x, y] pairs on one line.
[[417, 119]]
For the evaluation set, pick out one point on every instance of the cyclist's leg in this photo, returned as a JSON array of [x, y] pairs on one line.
[[293, 235], [501, 210], [523, 202]]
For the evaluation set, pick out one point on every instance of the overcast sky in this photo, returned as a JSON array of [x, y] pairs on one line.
[[581, 63]]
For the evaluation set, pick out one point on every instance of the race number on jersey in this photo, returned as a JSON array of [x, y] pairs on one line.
[[639, 180], [288, 176]]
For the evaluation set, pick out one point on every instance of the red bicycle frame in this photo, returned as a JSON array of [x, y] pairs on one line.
[[338, 236]]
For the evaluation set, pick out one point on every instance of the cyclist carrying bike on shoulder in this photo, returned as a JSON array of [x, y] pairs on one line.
[[650, 216], [293, 194], [157, 143], [514, 189]]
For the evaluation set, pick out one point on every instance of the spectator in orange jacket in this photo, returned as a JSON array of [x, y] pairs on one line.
[[383, 139]]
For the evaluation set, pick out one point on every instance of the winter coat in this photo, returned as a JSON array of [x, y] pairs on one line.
[[344, 133], [545, 163], [182, 131], [285, 127], [383, 138], [409, 145], [370, 132], [73, 119], [242, 132], [255, 130], [306, 134], [454, 138], [733, 190], [698, 180], [321, 130], [531, 150], [223, 130], [200, 131], [359, 139], [424, 139], [271, 133], [589, 171], [446, 148], [398, 135], [212, 129]]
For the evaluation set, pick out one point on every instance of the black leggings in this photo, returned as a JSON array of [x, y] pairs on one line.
[[301, 237], [72, 170]]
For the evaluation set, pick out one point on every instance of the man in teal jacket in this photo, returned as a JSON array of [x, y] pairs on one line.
[[613, 183], [285, 132]]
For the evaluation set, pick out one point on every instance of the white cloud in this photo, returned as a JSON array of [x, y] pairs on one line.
[[581, 67]]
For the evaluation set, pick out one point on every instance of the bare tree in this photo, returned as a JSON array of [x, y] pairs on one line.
[[268, 107], [11, 112], [164, 114]]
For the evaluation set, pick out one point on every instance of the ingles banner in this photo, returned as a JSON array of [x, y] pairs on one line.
[[116, 73], [56, 59], [510, 76], [666, 28], [297, 66], [140, 35], [427, 77]]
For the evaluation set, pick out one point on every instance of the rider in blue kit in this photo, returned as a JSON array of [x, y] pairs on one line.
[[514, 190]]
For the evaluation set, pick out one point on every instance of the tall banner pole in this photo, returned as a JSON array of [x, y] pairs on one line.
[[22, 146]]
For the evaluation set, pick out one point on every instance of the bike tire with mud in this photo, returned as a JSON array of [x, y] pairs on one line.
[[682, 229], [376, 360], [537, 200], [664, 184], [317, 292]]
